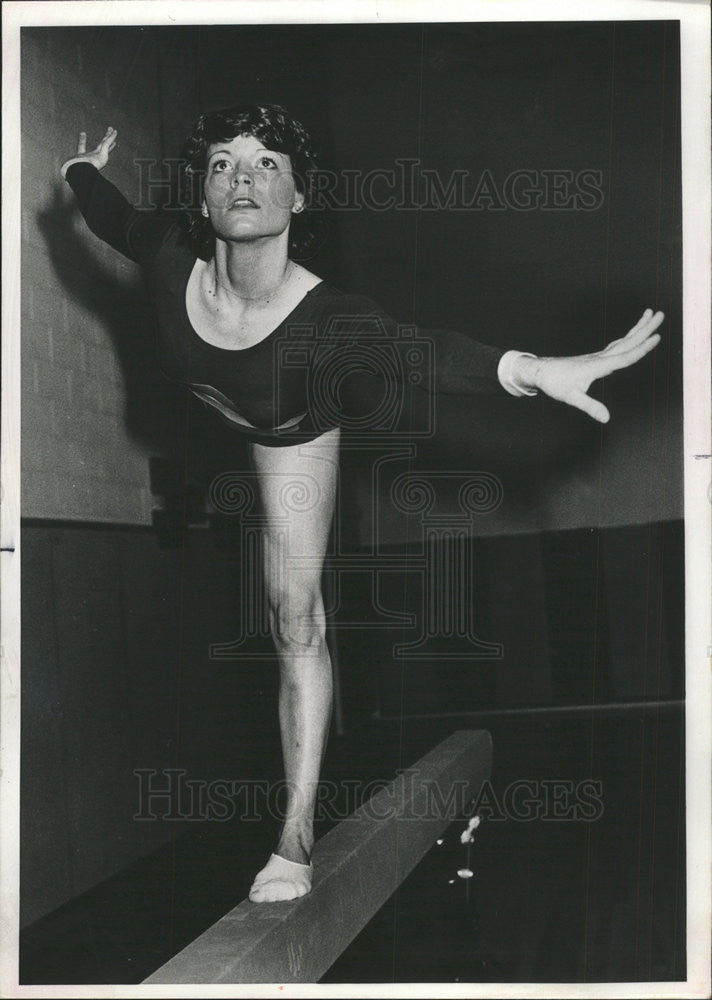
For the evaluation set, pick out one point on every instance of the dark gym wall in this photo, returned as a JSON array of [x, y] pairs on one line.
[[501, 98], [117, 677]]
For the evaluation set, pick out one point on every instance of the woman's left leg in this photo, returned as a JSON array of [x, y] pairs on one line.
[[298, 486]]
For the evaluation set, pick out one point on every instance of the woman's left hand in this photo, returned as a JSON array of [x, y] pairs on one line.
[[568, 379]]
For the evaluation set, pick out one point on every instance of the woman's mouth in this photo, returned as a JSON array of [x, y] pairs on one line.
[[244, 203]]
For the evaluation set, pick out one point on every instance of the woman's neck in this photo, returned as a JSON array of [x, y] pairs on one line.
[[253, 271]]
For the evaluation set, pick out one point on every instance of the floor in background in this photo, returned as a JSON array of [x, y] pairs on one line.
[[571, 882]]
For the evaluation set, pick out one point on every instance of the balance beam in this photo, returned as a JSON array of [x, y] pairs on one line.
[[357, 866]]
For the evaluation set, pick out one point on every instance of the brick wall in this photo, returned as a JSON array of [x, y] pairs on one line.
[[93, 406]]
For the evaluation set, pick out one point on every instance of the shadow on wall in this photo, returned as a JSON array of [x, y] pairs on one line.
[[122, 309], [158, 418]]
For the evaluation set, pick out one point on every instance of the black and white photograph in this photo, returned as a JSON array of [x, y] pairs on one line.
[[356, 500]]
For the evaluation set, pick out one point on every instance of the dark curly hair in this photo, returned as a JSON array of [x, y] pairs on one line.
[[271, 124]]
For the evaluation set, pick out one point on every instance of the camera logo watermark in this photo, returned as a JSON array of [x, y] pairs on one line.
[[443, 565]]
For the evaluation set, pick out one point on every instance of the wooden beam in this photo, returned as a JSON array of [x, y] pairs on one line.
[[357, 866]]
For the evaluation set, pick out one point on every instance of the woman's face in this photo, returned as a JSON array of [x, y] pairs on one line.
[[249, 190]]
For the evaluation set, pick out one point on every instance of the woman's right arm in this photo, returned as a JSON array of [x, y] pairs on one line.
[[136, 234]]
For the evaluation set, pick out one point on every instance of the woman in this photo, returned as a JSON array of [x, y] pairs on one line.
[[233, 308]]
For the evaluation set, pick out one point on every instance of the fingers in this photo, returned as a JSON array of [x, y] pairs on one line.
[[108, 140], [623, 359], [591, 406], [642, 321], [645, 328], [636, 334], [642, 329], [639, 325]]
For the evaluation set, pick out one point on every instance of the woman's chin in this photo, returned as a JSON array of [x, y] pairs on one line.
[[245, 231]]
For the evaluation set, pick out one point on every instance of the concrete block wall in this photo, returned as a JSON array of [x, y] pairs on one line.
[[87, 367]]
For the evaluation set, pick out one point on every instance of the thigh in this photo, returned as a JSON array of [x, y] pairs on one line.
[[297, 487]]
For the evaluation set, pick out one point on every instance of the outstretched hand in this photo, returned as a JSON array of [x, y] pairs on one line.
[[99, 157], [568, 379]]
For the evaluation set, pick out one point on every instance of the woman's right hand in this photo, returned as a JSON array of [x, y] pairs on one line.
[[99, 157]]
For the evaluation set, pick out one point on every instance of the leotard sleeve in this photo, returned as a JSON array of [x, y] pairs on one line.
[[373, 346], [137, 234]]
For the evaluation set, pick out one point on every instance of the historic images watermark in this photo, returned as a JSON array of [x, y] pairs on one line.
[[404, 186], [171, 795]]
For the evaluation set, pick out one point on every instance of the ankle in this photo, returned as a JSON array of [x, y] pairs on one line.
[[295, 846]]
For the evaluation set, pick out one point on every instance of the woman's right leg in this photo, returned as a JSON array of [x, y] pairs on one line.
[[298, 486]]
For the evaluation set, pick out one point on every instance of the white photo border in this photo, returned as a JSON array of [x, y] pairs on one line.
[[694, 18]]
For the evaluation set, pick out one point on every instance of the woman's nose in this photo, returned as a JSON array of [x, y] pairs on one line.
[[241, 177]]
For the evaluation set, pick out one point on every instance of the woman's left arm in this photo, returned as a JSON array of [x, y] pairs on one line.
[[568, 379], [464, 366]]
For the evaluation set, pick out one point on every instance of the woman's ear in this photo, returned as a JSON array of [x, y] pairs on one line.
[[298, 205]]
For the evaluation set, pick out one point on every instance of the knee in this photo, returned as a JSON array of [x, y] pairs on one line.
[[297, 619]]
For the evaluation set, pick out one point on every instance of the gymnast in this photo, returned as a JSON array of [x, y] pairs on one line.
[[228, 291]]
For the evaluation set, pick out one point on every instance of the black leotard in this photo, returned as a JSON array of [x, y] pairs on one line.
[[295, 375]]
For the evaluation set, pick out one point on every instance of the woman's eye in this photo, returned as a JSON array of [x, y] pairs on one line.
[[266, 161], [217, 164]]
